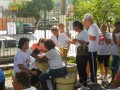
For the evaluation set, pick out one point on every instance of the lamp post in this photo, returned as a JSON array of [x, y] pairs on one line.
[[45, 23]]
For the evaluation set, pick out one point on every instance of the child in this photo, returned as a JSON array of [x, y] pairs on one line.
[[39, 45]]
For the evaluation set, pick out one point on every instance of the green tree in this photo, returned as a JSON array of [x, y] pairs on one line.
[[103, 11], [34, 8]]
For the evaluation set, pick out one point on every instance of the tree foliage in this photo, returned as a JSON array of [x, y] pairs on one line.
[[34, 8], [103, 11]]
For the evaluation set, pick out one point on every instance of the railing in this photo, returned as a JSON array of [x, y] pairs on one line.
[[13, 28]]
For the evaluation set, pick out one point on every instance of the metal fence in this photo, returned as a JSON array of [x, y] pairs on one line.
[[12, 28]]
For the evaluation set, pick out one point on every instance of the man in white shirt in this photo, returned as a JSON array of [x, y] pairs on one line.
[[93, 32]]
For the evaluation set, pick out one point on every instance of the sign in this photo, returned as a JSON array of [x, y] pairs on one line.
[[20, 23], [13, 8]]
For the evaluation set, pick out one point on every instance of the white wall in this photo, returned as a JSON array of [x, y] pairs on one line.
[[4, 4]]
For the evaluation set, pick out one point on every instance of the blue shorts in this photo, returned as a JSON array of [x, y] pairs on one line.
[[115, 63]]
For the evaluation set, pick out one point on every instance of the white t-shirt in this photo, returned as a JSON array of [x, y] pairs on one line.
[[93, 31], [55, 60], [31, 88], [104, 48], [117, 35], [64, 33], [21, 58], [61, 41], [83, 36], [114, 49]]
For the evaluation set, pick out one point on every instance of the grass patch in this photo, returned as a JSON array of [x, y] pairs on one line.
[[72, 59], [8, 73]]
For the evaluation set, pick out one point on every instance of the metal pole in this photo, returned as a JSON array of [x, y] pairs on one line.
[[44, 23], [63, 7]]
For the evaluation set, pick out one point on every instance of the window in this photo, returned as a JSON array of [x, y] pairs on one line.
[[10, 43]]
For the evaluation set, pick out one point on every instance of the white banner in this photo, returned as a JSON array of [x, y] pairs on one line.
[[11, 28]]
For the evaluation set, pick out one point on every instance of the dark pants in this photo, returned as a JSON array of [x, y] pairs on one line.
[[34, 78], [2, 85], [93, 66], [81, 61], [115, 63], [54, 73]]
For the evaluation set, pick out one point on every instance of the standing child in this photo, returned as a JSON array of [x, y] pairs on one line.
[[104, 52]]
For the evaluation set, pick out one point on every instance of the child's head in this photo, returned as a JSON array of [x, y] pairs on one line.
[[49, 44], [61, 26], [55, 30], [104, 28], [23, 43], [117, 26], [41, 40]]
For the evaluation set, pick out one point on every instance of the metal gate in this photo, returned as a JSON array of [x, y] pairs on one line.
[[12, 28]]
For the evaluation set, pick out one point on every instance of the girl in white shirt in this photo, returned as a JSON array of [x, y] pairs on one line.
[[81, 60], [104, 51], [61, 28], [55, 62]]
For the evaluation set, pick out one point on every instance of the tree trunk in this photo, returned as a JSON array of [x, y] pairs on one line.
[[63, 7], [108, 26], [36, 21]]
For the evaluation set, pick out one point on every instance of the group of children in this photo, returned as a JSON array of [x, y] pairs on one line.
[[101, 46]]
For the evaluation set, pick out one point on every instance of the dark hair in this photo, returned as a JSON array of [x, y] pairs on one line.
[[78, 23], [55, 28], [49, 44], [22, 41], [41, 40], [116, 23], [24, 78]]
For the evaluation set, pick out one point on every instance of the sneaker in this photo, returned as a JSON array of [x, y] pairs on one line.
[[77, 85], [88, 79], [104, 79], [84, 88], [90, 83], [100, 77], [109, 76]]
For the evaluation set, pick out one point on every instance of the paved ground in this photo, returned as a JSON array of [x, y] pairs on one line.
[[8, 81], [9, 86]]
